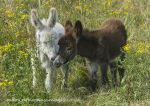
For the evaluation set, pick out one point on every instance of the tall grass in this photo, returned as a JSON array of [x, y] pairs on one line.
[[17, 43]]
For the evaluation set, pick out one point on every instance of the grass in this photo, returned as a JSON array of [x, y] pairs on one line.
[[17, 43]]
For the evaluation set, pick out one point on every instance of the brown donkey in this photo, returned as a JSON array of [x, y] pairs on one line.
[[100, 46]]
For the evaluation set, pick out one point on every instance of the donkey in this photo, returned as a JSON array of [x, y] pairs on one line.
[[100, 46], [48, 33]]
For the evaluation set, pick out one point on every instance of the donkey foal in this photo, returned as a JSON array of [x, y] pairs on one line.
[[48, 33], [100, 46]]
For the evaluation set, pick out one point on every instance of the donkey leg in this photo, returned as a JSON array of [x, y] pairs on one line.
[[92, 67], [104, 77], [65, 78], [49, 78], [113, 70], [121, 68]]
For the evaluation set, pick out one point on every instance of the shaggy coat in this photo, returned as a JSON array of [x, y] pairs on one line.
[[48, 33], [100, 46]]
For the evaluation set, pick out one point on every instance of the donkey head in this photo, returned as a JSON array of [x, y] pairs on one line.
[[68, 43], [46, 35]]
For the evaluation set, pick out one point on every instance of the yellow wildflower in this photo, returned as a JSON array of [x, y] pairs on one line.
[[113, 12], [127, 48], [142, 48], [78, 8], [10, 83], [5, 80], [9, 13], [6, 48], [6, 83], [22, 5], [24, 16], [1, 83], [23, 54]]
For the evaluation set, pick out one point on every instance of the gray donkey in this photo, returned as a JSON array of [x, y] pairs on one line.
[[48, 33]]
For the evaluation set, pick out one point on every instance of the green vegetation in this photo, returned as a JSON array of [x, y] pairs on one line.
[[17, 43]]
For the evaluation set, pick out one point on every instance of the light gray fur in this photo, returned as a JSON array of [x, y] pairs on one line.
[[48, 33]]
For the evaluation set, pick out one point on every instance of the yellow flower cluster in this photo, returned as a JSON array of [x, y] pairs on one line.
[[142, 48], [6, 83], [78, 8], [9, 13], [23, 54], [139, 48], [6, 48], [127, 48], [24, 16], [113, 12], [20, 6]]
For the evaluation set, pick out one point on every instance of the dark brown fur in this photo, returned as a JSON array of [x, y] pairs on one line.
[[111, 37], [101, 46]]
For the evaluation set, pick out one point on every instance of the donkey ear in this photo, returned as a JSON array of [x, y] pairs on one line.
[[68, 28], [35, 20], [68, 23], [78, 27], [53, 17]]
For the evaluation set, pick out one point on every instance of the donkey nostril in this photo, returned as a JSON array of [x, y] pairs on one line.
[[53, 58], [57, 64]]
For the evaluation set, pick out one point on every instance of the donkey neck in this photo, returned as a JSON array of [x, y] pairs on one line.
[[87, 44]]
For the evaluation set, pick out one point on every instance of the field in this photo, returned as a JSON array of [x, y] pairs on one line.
[[17, 44]]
